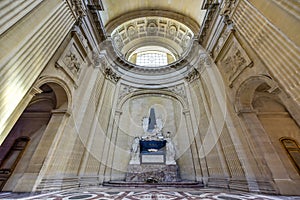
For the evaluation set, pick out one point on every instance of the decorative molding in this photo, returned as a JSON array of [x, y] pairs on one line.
[[125, 90], [96, 5], [227, 9], [207, 23], [144, 27], [111, 75], [208, 3], [78, 8], [193, 75], [178, 90]]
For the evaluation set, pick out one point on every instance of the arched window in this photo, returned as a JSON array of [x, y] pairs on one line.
[[151, 56], [293, 150]]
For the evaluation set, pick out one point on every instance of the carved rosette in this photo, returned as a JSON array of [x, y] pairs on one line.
[[152, 26]]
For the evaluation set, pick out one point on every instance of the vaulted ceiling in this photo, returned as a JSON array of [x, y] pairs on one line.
[[114, 9]]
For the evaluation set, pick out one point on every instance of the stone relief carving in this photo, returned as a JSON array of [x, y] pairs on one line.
[[111, 75], [72, 62], [193, 75], [235, 61]]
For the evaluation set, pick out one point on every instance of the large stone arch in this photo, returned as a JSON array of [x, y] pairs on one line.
[[151, 92], [176, 123], [245, 92], [262, 108], [61, 89], [42, 122]]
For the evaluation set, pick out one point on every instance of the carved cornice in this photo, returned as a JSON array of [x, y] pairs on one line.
[[111, 75], [208, 3], [95, 19], [193, 75], [154, 30], [95, 5], [189, 22], [227, 9], [118, 62], [78, 8], [207, 23]]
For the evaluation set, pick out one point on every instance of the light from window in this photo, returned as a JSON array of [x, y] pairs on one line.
[[152, 59], [293, 150]]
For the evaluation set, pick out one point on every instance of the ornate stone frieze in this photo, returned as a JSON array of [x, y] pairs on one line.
[[111, 75], [152, 26], [234, 61], [193, 75]]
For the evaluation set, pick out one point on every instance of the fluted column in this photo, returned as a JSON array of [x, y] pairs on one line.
[[278, 52], [193, 147], [26, 48]]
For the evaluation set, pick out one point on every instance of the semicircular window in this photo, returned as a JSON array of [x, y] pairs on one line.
[[152, 56]]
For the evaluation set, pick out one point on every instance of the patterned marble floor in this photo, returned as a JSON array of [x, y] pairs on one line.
[[105, 193]]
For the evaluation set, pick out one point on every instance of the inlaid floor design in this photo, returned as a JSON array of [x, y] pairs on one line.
[[104, 193]]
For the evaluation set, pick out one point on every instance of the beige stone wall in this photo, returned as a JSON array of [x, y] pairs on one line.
[[255, 50], [226, 120]]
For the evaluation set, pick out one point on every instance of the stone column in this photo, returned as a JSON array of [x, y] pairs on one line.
[[268, 160], [112, 147], [92, 133], [47, 149], [195, 156]]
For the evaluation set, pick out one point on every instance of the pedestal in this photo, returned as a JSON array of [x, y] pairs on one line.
[[152, 173]]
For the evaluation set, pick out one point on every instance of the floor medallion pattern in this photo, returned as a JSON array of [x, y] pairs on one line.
[[102, 193]]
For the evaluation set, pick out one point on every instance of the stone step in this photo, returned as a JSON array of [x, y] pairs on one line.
[[181, 184]]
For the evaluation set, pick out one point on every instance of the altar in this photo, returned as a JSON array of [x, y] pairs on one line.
[[152, 155], [153, 151]]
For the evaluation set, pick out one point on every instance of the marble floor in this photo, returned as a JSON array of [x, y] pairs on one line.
[[108, 193]]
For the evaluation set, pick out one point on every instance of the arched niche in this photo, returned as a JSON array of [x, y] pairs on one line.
[[134, 107], [35, 125]]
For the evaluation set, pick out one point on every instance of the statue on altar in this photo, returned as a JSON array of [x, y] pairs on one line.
[[153, 144], [135, 151], [152, 154]]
